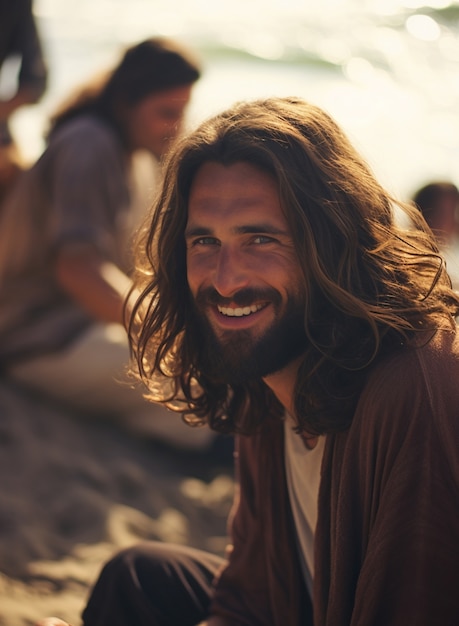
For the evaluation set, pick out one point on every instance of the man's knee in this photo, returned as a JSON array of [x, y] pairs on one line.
[[133, 564], [153, 583]]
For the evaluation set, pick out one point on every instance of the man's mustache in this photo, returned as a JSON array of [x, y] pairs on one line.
[[244, 297]]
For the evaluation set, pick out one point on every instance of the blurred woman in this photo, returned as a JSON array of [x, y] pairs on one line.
[[64, 240]]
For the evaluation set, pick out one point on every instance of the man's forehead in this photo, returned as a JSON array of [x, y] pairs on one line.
[[241, 179], [238, 196]]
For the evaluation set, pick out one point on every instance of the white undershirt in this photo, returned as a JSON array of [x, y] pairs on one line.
[[303, 479]]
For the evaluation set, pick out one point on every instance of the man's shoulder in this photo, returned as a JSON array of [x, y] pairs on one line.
[[416, 383], [427, 357]]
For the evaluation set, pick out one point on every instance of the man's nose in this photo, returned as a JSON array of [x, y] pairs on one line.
[[231, 272]]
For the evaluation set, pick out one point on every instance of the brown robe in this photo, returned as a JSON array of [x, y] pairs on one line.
[[387, 538]]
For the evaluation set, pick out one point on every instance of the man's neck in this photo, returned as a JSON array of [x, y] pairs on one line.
[[282, 384]]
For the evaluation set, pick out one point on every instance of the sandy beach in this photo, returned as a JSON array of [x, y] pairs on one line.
[[73, 491]]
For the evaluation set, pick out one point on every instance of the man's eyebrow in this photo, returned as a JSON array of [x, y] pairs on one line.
[[201, 231], [260, 228], [197, 231]]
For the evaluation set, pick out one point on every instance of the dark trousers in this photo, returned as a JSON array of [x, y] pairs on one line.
[[153, 584]]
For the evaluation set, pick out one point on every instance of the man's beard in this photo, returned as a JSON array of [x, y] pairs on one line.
[[237, 356]]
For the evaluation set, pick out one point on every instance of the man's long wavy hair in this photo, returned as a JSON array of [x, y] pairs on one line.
[[371, 284]]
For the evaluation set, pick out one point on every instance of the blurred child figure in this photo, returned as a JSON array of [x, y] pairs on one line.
[[65, 233], [438, 202], [19, 39]]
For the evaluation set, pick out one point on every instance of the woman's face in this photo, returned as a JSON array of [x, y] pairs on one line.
[[154, 122]]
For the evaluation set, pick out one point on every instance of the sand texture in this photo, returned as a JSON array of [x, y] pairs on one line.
[[75, 490]]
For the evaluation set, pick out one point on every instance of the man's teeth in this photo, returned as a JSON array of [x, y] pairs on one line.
[[240, 311]]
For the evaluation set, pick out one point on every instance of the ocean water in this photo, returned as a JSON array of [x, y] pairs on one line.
[[387, 70]]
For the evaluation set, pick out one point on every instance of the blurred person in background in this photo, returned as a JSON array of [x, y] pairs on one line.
[[19, 40], [438, 202], [65, 231]]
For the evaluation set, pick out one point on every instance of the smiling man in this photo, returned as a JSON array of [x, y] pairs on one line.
[[285, 304], [243, 273]]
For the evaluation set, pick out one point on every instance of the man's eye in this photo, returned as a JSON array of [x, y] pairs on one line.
[[262, 239], [204, 241]]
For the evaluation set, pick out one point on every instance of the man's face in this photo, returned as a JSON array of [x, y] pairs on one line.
[[154, 122], [243, 273]]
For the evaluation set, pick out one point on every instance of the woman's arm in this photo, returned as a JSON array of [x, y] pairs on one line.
[[98, 286]]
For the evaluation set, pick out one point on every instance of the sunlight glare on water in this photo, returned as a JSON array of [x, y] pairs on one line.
[[387, 70]]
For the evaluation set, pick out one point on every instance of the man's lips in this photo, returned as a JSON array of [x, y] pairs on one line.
[[231, 311], [236, 317], [242, 310]]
